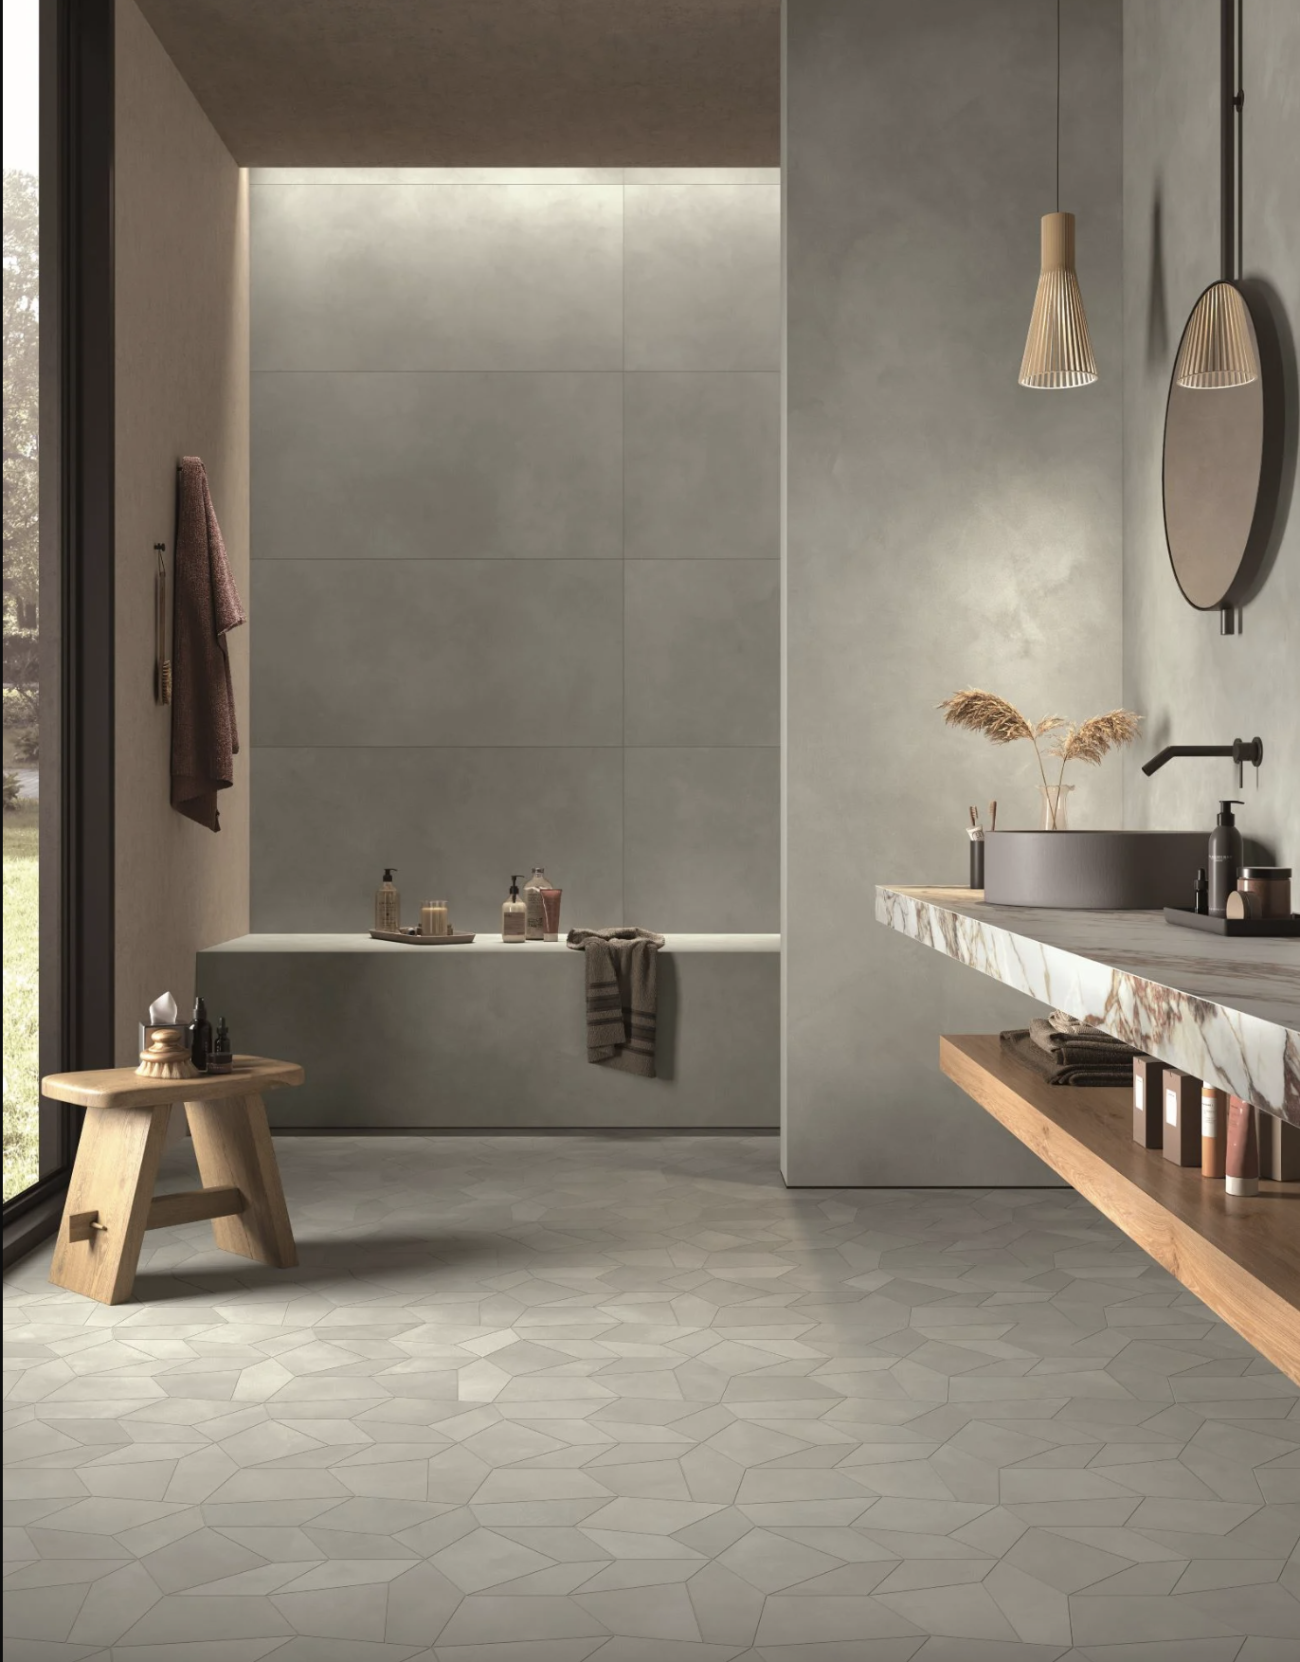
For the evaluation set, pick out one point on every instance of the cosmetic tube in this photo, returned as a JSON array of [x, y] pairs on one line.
[[1181, 1097], [1148, 1079], [1214, 1131], [1243, 1149], [551, 914]]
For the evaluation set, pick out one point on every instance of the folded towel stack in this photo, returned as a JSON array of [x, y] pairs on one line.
[[1066, 1051]]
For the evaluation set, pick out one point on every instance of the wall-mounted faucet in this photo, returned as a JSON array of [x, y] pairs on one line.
[[1241, 751]]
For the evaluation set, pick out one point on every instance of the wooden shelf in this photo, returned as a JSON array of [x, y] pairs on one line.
[[1239, 1256]]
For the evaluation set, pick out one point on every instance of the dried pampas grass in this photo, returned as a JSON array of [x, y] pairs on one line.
[[1096, 738], [977, 711]]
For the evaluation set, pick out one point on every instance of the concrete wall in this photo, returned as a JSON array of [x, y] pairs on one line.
[[1194, 685], [945, 527], [181, 389], [515, 531]]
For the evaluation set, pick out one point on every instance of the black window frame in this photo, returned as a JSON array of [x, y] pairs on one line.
[[77, 555]]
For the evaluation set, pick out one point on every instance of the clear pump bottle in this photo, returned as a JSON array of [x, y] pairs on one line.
[[388, 905], [513, 916]]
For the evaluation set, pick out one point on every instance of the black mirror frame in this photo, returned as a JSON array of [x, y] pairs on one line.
[[1272, 452]]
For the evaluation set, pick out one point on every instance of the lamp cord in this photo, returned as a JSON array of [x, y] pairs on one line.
[[1058, 106]]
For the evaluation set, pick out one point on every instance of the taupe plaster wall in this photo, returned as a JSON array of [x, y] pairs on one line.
[[182, 389], [516, 532], [944, 527], [1194, 685]]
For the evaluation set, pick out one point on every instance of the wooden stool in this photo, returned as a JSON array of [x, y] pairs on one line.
[[110, 1196]]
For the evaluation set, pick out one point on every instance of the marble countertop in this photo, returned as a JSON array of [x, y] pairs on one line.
[[1226, 1010]]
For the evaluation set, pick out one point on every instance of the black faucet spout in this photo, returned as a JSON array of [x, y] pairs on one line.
[[1241, 751]]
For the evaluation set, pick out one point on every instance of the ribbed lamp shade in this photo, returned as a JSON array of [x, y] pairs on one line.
[[1218, 347], [1058, 352]]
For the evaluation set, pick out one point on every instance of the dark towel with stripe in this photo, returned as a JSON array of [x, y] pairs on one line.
[[622, 996], [1102, 1070], [205, 737]]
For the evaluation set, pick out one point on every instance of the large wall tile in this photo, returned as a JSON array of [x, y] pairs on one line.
[[472, 465], [703, 277], [468, 652], [703, 652], [437, 277], [702, 465], [455, 823], [700, 839]]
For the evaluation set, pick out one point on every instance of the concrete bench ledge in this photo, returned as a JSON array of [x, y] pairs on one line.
[[493, 1037]]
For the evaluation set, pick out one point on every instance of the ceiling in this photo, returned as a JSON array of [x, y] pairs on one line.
[[483, 83]]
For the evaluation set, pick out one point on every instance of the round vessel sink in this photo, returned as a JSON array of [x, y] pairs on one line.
[[1110, 871]]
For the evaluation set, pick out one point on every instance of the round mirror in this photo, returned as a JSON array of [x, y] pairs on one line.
[[1216, 518]]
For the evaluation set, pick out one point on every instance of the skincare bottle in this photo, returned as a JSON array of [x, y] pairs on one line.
[[1214, 1131], [535, 921], [1243, 1149], [1201, 894], [513, 915], [1148, 1079], [551, 898], [220, 1059], [388, 905], [1225, 858], [1181, 1095], [200, 1036]]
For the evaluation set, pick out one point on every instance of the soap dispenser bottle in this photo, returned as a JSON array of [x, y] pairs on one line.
[[388, 905], [513, 915], [1225, 858]]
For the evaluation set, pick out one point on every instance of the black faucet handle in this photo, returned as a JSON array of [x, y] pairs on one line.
[[1246, 750]]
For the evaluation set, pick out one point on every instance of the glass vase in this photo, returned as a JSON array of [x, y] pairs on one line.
[[1056, 802]]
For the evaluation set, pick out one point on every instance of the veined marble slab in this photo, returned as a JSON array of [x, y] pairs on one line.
[[1225, 1010]]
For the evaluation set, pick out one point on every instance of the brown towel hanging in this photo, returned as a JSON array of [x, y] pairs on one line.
[[205, 737]]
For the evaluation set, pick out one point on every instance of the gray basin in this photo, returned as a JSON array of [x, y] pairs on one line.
[[1112, 871]]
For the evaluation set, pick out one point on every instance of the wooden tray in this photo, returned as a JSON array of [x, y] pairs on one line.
[[1232, 926], [420, 940]]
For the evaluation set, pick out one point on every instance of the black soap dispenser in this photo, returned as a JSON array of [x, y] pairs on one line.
[[1225, 858]]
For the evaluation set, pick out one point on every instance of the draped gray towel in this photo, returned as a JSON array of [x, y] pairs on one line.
[[206, 606], [622, 996]]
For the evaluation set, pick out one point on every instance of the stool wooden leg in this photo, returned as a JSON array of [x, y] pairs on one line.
[[114, 1174], [232, 1144]]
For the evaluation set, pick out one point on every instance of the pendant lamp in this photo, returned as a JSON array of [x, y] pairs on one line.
[[1218, 347], [1058, 352]]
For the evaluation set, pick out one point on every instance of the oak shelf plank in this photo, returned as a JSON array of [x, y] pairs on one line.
[[1240, 1256]]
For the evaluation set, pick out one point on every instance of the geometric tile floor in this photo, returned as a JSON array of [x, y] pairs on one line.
[[537, 1399]]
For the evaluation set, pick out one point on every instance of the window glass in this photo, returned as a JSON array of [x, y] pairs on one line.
[[22, 742]]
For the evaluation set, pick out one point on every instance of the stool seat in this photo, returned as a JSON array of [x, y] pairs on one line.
[[110, 1193], [125, 1088]]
